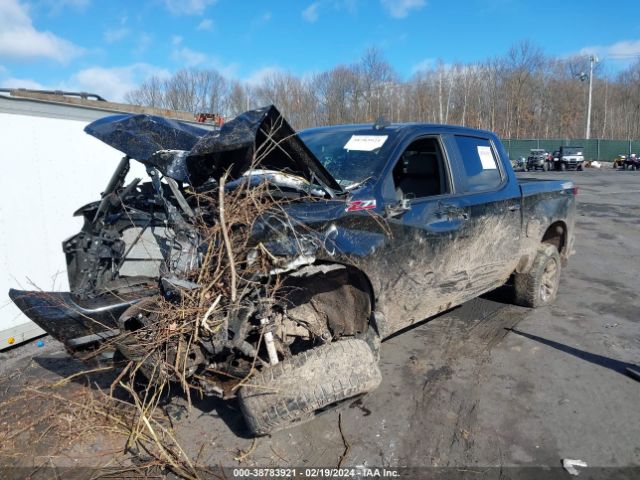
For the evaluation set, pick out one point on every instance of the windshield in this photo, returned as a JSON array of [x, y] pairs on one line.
[[351, 155], [572, 151]]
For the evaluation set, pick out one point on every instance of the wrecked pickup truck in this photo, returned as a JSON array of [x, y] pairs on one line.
[[370, 229]]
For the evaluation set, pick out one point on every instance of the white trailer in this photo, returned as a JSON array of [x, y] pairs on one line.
[[50, 168]]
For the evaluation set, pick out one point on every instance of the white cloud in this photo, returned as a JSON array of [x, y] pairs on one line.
[[113, 35], [262, 19], [623, 50], [205, 25], [144, 42], [310, 14], [56, 6], [188, 7], [114, 83], [426, 64], [20, 40], [13, 82], [188, 57], [401, 8], [258, 76]]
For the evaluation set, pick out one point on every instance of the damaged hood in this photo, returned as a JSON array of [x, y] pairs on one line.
[[261, 139], [142, 136], [257, 139]]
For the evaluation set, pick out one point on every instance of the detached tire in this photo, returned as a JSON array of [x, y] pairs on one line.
[[292, 391], [539, 286]]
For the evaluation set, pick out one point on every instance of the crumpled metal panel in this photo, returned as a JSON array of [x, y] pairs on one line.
[[141, 136], [263, 135]]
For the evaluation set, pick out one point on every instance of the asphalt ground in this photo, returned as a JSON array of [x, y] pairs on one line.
[[487, 390]]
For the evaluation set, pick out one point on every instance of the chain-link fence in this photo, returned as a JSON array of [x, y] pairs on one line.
[[594, 149]]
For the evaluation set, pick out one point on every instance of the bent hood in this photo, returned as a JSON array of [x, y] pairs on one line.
[[141, 136], [259, 138]]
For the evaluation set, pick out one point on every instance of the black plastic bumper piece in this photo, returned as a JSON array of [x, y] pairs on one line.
[[68, 320]]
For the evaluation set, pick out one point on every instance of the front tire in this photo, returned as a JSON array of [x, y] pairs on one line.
[[297, 388], [539, 286]]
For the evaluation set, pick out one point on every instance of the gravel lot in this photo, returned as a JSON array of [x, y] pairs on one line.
[[485, 385]]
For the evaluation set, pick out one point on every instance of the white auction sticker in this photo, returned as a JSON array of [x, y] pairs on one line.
[[365, 143], [486, 158]]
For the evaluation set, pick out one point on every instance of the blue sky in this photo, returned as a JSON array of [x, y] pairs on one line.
[[110, 46]]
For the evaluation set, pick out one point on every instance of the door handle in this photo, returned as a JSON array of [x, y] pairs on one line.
[[452, 212], [514, 208]]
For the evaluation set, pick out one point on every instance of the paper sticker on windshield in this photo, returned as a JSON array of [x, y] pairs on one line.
[[486, 158], [365, 143]]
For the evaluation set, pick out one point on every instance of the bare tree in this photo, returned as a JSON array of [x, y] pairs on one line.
[[522, 94]]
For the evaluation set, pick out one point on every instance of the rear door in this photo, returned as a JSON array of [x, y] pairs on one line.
[[489, 250]]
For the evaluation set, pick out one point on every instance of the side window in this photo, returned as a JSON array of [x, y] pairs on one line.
[[420, 170], [480, 163]]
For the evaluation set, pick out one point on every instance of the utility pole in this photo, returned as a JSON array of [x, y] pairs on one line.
[[592, 60]]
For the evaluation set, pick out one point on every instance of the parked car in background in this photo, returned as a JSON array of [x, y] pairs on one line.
[[519, 164], [570, 158], [619, 161], [539, 159], [632, 162]]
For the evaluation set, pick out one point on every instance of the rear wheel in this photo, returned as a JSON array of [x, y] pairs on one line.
[[298, 388], [539, 286]]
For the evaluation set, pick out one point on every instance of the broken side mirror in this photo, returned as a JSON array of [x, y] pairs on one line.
[[396, 209]]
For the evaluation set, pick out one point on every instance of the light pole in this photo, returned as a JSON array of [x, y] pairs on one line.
[[592, 59]]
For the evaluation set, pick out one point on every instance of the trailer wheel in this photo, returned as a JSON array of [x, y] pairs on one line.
[[539, 286], [298, 388]]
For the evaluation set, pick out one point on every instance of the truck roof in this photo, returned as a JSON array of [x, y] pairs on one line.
[[406, 127]]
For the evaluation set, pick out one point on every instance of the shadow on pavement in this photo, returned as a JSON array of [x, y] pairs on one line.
[[625, 368]]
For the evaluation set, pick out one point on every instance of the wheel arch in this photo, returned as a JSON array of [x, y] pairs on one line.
[[556, 234]]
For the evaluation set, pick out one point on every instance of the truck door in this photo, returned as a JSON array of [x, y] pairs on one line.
[[426, 227], [458, 233], [488, 192]]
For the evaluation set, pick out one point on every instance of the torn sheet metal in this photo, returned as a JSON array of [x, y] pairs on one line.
[[261, 134], [152, 140]]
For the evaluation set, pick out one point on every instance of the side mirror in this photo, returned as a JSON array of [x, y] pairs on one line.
[[398, 208]]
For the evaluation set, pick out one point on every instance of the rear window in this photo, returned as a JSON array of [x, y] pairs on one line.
[[480, 163]]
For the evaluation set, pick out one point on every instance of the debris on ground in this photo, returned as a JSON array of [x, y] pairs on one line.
[[569, 465]]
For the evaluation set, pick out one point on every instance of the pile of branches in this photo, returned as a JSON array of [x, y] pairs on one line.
[[233, 283], [230, 284]]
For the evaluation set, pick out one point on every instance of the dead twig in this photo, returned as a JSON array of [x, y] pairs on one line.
[[345, 442]]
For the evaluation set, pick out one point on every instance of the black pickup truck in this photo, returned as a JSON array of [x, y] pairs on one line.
[[386, 225]]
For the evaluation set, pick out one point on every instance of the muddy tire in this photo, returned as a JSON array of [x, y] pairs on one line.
[[539, 286], [297, 388]]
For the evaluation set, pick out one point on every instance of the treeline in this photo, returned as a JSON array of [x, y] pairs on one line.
[[523, 94]]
